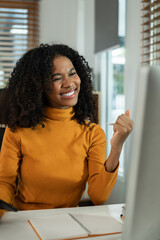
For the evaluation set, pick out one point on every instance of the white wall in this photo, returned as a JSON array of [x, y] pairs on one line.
[[69, 22], [58, 21]]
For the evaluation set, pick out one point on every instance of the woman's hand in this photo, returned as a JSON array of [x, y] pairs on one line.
[[122, 128]]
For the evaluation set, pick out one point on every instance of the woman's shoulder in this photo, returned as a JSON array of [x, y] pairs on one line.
[[94, 128], [17, 132], [95, 133]]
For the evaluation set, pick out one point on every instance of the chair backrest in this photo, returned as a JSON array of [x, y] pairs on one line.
[[2, 126], [2, 130]]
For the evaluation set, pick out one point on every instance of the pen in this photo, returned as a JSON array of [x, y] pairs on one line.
[[111, 124]]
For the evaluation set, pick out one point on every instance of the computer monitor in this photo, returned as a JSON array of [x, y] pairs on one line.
[[143, 195]]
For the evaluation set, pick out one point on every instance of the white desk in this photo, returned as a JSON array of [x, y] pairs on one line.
[[14, 226]]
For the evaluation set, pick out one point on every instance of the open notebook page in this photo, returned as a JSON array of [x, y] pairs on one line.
[[99, 225], [61, 226]]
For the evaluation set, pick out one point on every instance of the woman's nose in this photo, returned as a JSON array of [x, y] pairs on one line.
[[67, 82]]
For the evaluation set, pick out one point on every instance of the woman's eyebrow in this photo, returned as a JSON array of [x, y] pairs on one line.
[[72, 69]]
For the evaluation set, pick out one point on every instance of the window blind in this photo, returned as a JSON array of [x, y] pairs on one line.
[[19, 32], [151, 32]]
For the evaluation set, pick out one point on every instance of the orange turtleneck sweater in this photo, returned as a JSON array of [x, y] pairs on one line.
[[54, 163]]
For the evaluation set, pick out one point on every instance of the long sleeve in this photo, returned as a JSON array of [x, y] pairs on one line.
[[100, 182], [9, 162]]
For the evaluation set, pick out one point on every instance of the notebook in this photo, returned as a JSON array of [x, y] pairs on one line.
[[72, 226]]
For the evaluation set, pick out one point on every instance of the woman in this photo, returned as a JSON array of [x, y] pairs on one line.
[[50, 144]]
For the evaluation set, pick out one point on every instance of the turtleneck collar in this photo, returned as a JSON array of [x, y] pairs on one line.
[[59, 114]]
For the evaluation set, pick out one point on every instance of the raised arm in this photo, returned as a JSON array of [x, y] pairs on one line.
[[122, 128], [103, 173]]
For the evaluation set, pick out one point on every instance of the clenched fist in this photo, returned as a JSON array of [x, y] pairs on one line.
[[122, 128]]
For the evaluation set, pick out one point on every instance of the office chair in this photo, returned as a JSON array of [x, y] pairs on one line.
[[2, 130]]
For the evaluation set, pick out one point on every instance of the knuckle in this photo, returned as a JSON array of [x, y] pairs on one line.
[[118, 120], [119, 117]]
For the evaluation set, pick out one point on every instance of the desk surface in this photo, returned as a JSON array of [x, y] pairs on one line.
[[14, 226]]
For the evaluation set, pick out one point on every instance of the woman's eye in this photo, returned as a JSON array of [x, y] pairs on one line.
[[56, 79], [72, 74]]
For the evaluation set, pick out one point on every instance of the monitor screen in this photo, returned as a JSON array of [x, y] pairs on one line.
[[142, 220]]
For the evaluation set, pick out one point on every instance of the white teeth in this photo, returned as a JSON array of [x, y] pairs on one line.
[[68, 94]]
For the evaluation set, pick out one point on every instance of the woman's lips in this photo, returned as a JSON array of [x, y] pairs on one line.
[[70, 94]]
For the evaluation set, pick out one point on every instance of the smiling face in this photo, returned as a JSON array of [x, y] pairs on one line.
[[65, 84]]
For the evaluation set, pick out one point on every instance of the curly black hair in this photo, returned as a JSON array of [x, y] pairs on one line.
[[25, 94]]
